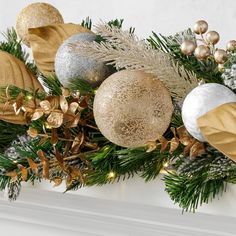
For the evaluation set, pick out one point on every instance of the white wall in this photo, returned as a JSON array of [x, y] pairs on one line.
[[164, 16]]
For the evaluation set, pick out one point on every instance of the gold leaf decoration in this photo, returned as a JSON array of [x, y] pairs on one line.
[[14, 72], [46, 40], [218, 126]]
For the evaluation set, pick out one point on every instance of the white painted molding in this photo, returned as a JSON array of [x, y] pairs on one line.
[[42, 211]]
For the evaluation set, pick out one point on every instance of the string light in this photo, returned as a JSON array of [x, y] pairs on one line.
[[111, 175], [29, 97], [47, 126], [166, 164]]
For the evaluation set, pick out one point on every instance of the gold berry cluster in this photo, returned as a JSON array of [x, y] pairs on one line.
[[206, 47]]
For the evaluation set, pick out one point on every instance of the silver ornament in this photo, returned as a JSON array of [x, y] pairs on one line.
[[199, 101], [69, 64], [132, 108]]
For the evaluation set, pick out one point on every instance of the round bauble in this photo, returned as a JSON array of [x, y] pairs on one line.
[[132, 108], [200, 27], [231, 45], [202, 52], [212, 37], [201, 100], [188, 47], [69, 64], [220, 56], [36, 15]]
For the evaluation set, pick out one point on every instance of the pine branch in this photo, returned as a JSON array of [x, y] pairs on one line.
[[200, 179], [87, 23]]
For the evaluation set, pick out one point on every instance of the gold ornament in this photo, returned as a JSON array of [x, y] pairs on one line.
[[220, 56], [188, 47], [212, 37], [200, 27], [46, 40], [219, 129], [36, 15], [202, 52], [132, 108], [231, 45]]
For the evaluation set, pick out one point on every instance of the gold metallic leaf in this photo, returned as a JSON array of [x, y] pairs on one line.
[[33, 166], [46, 40], [55, 119], [57, 181], [73, 107], [32, 132], [54, 137], [37, 115], [151, 146], [218, 126], [24, 172], [197, 149], [63, 104], [14, 72], [46, 106], [45, 163], [65, 92]]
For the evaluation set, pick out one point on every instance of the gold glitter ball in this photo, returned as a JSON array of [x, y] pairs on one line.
[[36, 15], [132, 108]]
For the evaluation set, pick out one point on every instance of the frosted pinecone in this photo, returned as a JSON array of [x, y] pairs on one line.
[[229, 77], [22, 141], [180, 37]]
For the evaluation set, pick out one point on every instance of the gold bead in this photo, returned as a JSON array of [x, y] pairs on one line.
[[202, 52], [231, 45], [188, 47], [220, 56], [200, 27], [212, 37], [221, 67]]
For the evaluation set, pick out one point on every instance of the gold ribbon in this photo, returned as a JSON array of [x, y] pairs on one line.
[[218, 126]]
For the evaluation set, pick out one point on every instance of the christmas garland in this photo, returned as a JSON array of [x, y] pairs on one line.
[[113, 106]]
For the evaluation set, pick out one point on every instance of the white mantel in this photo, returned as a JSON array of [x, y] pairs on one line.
[[126, 208]]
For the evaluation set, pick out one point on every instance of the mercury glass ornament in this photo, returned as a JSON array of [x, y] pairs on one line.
[[220, 56], [231, 45], [132, 108], [200, 27], [199, 101], [36, 15], [202, 52], [212, 37], [69, 64], [188, 47]]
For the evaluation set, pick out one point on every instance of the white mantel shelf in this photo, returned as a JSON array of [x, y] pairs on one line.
[[127, 208]]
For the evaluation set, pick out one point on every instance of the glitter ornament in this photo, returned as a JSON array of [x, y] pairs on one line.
[[36, 15], [69, 64], [201, 100], [132, 108]]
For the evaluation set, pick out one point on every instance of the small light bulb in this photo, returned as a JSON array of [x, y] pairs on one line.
[[166, 164], [111, 175], [47, 126], [29, 97]]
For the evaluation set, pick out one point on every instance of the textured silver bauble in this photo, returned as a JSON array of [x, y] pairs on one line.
[[132, 108], [36, 15], [69, 64], [201, 100]]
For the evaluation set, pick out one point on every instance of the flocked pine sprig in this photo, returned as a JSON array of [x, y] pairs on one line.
[[124, 50]]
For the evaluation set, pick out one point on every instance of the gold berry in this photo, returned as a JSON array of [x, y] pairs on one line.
[[231, 45], [202, 52], [200, 27], [220, 56], [212, 37], [188, 47]]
